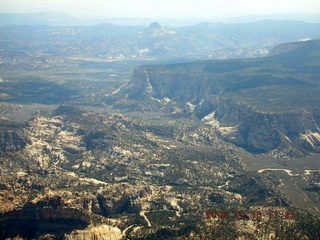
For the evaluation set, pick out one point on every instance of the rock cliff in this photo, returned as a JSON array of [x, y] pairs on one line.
[[281, 134], [102, 232], [49, 214], [265, 105], [69, 215]]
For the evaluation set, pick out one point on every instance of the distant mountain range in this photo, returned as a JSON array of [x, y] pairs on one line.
[[265, 105], [183, 149], [61, 19], [116, 43]]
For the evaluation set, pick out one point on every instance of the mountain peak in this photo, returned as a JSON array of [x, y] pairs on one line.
[[154, 25]]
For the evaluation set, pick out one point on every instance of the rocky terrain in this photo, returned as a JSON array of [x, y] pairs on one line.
[[252, 103], [198, 150], [109, 42], [84, 175], [74, 170]]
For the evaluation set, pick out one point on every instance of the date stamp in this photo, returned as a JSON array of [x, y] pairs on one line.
[[253, 215]]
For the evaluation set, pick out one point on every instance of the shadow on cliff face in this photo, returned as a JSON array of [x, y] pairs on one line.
[[50, 216], [34, 228]]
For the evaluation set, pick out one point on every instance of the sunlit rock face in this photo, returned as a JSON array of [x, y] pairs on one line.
[[258, 104], [103, 232], [292, 133]]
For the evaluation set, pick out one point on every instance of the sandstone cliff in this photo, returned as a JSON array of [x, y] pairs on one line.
[[280, 134], [265, 105], [102, 232]]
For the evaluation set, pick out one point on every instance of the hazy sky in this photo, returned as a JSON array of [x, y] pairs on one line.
[[161, 8]]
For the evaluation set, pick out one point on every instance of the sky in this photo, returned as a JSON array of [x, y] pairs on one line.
[[161, 8]]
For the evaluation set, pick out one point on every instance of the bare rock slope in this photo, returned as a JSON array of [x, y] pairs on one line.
[[265, 105]]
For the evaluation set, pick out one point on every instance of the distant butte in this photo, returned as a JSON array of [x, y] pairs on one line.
[[154, 25]]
